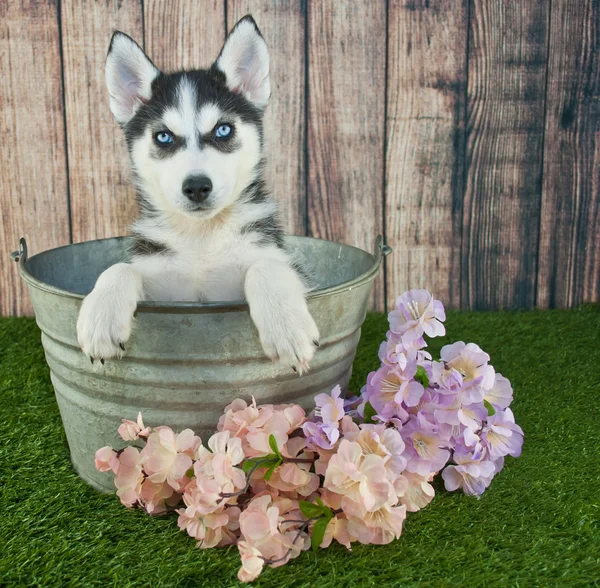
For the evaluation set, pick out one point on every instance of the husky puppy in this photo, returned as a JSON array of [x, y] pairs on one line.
[[208, 228]]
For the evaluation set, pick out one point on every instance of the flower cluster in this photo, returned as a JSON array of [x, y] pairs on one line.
[[275, 481]]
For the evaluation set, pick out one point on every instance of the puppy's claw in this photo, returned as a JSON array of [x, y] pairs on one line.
[[102, 361], [91, 360], [294, 368], [316, 344], [122, 346]]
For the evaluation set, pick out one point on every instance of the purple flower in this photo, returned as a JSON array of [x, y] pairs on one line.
[[393, 351], [464, 369], [424, 447], [471, 473], [501, 394], [330, 408], [392, 389], [416, 313], [320, 436], [472, 477], [502, 436]]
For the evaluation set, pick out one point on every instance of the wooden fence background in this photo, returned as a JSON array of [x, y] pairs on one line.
[[465, 131]]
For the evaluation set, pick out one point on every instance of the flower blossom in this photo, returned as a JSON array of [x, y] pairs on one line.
[[106, 459], [129, 476], [259, 526], [501, 394], [167, 455], [502, 436], [416, 313], [464, 369], [219, 463], [471, 473], [358, 477], [132, 430], [252, 562], [424, 447]]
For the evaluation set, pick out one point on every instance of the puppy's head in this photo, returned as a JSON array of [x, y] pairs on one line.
[[195, 137]]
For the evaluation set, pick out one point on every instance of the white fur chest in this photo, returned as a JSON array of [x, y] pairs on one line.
[[208, 266]]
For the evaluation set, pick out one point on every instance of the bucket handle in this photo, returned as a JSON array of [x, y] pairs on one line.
[[381, 248], [20, 256]]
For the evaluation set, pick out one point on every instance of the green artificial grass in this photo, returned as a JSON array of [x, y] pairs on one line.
[[537, 524]]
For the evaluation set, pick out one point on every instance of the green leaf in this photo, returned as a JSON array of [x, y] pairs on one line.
[[265, 461], [310, 510], [189, 473], [319, 501], [318, 533], [491, 410], [369, 413], [248, 465], [273, 445], [270, 471], [327, 513], [421, 376]]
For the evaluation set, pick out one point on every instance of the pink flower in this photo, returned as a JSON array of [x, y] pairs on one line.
[[156, 496], [330, 408], [295, 477], [358, 477], [131, 430], [259, 526], [416, 313], [380, 526], [415, 492], [129, 476], [252, 562], [203, 495], [384, 442], [166, 455], [226, 452], [212, 529], [239, 416], [106, 459], [337, 529]]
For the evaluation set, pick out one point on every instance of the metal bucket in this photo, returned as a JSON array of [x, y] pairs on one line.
[[186, 361]]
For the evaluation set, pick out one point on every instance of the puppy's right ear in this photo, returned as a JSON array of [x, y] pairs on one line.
[[129, 76]]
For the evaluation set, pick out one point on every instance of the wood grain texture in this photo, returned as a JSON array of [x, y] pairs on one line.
[[507, 75], [33, 181], [102, 195], [282, 23], [427, 60], [346, 119], [184, 34], [569, 256]]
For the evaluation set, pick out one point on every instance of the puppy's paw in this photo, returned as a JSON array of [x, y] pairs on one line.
[[291, 338], [104, 326]]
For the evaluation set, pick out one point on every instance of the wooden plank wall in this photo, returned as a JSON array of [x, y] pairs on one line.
[[467, 132]]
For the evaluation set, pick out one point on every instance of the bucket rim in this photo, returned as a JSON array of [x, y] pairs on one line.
[[170, 307]]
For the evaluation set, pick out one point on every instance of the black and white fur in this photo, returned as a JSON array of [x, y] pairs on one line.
[[208, 229]]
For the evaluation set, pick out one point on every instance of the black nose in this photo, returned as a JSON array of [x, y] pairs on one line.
[[197, 188]]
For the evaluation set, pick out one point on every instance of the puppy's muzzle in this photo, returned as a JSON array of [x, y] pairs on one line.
[[197, 188]]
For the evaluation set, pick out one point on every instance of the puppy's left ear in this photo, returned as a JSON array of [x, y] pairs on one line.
[[244, 60]]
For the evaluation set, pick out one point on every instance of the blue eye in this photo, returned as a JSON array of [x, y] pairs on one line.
[[223, 131], [163, 138]]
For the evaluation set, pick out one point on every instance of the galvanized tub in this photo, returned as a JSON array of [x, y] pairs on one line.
[[185, 361]]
